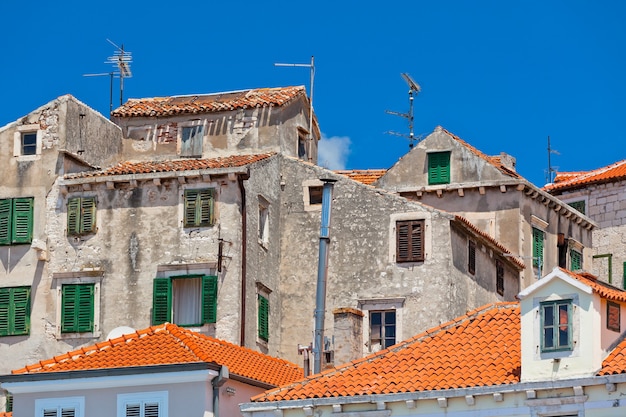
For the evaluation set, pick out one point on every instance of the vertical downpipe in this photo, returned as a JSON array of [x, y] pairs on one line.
[[244, 260], [322, 273]]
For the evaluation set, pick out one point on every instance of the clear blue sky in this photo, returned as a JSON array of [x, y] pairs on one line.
[[503, 75]]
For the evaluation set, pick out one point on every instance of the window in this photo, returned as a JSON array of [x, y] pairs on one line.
[[191, 141], [81, 215], [471, 257], [142, 404], [263, 222], [302, 142], [438, 168], [264, 316], [613, 316], [578, 205], [77, 308], [556, 325], [29, 143], [410, 241], [60, 407], [576, 260], [189, 300], [16, 221], [315, 195], [14, 311], [499, 277], [538, 237], [382, 329], [199, 207]]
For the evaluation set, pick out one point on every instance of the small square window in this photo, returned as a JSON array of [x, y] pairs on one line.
[[556, 325], [29, 143], [438, 168], [191, 140], [315, 195], [199, 204], [382, 329], [410, 241], [81, 215], [578, 205]]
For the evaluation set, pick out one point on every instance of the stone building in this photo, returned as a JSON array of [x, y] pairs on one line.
[[446, 172], [600, 194]]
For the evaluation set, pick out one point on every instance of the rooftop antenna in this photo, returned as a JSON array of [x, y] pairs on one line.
[[121, 59], [312, 67], [413, 88], [551, 170]]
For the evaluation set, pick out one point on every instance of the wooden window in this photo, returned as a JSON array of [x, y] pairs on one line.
[[576, 260], [382, 329], [578, 205], [14, 311], [499, 277], [471, 257], [438, 168], [199, 207], [410, 241], [315, 195], [613, 321], [556, 325], [185, 300], [81, 215], [29, 143], [263, 317], [191, 141], [538, 237], [77, 308], [16, 221]]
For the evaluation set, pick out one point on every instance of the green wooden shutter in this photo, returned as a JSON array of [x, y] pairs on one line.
[[88, 214], [73, 216], [22, 220], [21, 311], [439, 168], [5, 311], [263, 314], [537, 247], [209, 299], [161, 300], [77, 308], [68, 308], [205, 209], [191, 197], [6, 208]]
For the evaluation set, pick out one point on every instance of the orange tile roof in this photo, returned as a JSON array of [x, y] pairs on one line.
[[170, 344], [6, 414], [208, 103], [176, 165], [493, 160], [573, 180], [364, 176], [603, 289], [480, 348]]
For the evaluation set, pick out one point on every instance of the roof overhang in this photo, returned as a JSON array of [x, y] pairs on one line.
[[556, 274]]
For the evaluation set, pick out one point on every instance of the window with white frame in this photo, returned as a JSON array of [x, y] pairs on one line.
[[27, 141], [191, 140], [263, 221], [143, 404], [60, 407], [312, 191], [78, 303], [384, 318]]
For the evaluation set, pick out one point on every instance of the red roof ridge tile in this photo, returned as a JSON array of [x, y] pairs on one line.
[[576, 179]]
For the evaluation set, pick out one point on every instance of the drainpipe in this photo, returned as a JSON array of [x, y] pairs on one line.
[[322, 273], [217, 382], [610, 257], [244, 251]]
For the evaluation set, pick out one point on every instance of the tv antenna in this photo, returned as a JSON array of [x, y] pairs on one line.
[[551, 170], [121, 60], [413, 88]]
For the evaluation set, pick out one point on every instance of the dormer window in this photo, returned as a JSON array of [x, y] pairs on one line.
[[556, 325]]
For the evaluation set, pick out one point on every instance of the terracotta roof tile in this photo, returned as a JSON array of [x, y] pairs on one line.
[[478, 349], [364, 176], [176, 165], [573, 180], [208, 103], [169, 344], [615, 363], [603, 289], [6, 414]]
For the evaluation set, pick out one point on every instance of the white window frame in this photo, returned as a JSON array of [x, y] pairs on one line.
[[428, 242], [306, 196], [187, 125], [377, 305], [91, 277], [77, 403], [161, 397], [538, 327], [17, 142]]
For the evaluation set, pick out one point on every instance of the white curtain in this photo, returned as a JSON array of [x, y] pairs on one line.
[[187, 300]]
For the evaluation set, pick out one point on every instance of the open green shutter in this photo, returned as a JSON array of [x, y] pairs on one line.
[[264, 310], [73, 216], [161, 300], [22, 220], [21, 311], [5, 311], [209, 299], [6, 207], [85, 313], [69, 308], [191, 203], [88, 214]]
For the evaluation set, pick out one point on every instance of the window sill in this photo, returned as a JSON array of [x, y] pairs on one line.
[[27, 158], [85, 335]]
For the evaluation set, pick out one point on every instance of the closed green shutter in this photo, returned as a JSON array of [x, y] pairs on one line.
[[191, 197], [5, 311], [22, 220], [77, 308], [198, 208], [14, 311], [537, 247], [575, 260], [161, 300], [5, 221], [264, 311], [439, 168], [88, 214], [209, 299], [73, 216], [206, 207]]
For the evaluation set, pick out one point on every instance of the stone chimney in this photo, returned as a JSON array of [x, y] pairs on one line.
[[508, 161], [348, 335]]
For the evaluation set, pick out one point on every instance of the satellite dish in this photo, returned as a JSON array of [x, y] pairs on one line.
[[120, 331]]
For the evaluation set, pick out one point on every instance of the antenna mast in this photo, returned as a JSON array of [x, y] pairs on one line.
[[551, 170], [413, 88]]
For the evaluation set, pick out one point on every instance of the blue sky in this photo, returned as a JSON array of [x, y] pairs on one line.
[[502, 75]]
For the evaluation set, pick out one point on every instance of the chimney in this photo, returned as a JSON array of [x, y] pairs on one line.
[[348, 335], [508, 161]]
